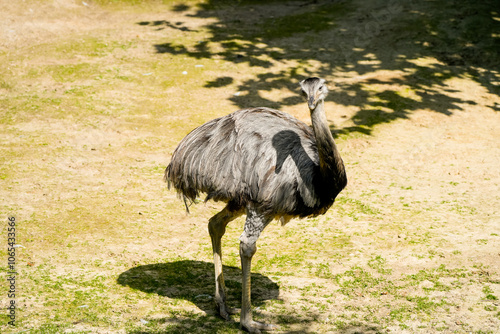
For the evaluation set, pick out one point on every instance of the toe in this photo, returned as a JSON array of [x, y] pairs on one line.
[[255, 327], [266, 327], [250, 329], [221, 309]]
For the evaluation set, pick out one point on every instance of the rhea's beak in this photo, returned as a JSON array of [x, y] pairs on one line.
[[311, 102]]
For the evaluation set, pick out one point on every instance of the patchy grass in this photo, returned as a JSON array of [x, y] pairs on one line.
[[91, 110]]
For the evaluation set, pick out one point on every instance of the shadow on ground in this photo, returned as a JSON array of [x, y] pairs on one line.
[[194, 281], [450, 39]]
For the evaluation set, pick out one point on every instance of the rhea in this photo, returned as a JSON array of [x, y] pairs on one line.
[[263, 163]]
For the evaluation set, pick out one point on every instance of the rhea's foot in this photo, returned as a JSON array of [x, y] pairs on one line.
[[225, 311], [255, 327]]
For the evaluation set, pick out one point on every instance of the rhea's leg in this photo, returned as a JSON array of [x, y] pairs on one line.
[[217, 227], [254, 225]]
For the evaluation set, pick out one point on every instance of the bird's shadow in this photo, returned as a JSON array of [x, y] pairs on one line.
[[194, 281]]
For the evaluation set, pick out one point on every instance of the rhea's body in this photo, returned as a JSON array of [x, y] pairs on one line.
[[257, 155], [263, 163]]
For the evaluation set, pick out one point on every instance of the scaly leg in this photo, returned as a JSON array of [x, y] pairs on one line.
[[254, 225], [217, 227]]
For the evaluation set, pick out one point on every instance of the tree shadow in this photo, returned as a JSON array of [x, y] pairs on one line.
[[162, 24], [424, 44]]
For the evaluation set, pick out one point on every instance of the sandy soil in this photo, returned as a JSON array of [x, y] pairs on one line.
[[424, 181]]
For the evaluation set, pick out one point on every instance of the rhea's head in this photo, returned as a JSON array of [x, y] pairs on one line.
[[314, 90]]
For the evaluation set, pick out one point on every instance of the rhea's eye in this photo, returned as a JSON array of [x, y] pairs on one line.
[[320, 88]]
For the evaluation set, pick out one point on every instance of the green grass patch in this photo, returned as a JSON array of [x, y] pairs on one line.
[[355, 208], [378, 263], [489, 293], [73, 72]]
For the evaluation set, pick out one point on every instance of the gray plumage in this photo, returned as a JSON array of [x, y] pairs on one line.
[[264, 162], [257, 155]]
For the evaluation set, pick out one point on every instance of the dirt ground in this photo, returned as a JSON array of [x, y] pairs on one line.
[[95, 95]]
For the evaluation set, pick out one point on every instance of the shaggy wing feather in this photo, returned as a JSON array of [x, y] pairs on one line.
[[254, 155]]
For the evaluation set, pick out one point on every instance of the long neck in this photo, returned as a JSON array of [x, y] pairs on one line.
[[330, 163]]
